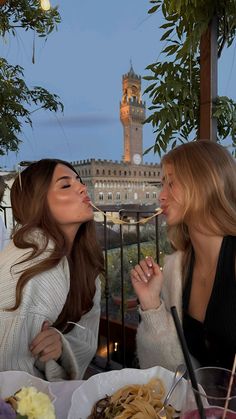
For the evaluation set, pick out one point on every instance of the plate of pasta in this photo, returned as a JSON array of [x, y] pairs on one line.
[[123, 393]]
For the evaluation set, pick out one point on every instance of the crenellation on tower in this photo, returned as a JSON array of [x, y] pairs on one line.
[[132, 116]]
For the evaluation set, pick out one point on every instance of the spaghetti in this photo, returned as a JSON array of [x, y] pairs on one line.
[[117, 220], [139, 401]]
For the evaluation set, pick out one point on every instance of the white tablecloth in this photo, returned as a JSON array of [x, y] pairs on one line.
[[63, 391]]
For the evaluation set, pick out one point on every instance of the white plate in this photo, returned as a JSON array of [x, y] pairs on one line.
[[12, 381], [106, 383]]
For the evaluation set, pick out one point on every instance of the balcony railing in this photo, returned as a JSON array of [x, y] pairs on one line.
[[123, 245]]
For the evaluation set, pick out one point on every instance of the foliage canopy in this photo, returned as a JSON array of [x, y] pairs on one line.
[[174, 86], [17, 100]]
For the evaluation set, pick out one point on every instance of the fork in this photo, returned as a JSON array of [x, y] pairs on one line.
[[179, 373]]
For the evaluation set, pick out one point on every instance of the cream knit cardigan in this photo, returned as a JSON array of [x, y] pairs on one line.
[[157, 341], [43, 299]]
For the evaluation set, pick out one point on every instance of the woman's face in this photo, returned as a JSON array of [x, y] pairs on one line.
[[171, 196], [68, 200]]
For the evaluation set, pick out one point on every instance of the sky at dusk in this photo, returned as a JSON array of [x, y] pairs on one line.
[[83, 63]]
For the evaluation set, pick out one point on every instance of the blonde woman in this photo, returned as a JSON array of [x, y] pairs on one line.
[[198, 199], [49, 287]]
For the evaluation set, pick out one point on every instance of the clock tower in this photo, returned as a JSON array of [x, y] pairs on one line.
[[132, 116]]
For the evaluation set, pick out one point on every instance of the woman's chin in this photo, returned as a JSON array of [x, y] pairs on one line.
[[171, 221]]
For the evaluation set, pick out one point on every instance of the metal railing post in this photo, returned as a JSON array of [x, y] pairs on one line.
[[107, 295], [122, 295]]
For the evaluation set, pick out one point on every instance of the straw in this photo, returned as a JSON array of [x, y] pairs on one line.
[[188, 362], [229, 388]]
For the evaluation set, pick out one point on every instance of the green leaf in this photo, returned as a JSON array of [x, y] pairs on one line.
[[153, 9], [167, 25], [166, 34]]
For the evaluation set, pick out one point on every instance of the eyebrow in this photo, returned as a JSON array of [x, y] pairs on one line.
[[63, 177], [67, 178]]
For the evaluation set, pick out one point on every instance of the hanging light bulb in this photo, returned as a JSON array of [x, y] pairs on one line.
[[45, 4]]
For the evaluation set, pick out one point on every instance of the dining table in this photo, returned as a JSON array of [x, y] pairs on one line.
[[63, 390], [74, 399]]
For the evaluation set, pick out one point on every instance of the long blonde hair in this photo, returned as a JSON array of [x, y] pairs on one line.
[[30, 210], [207, 174]]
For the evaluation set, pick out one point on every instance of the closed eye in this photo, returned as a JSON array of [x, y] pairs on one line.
[[65, 186]]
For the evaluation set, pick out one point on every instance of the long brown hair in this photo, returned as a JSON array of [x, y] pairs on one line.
[[207, 174], [31, 212]]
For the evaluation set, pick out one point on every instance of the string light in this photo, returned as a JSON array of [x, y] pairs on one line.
[[45, 4], [115, 346]]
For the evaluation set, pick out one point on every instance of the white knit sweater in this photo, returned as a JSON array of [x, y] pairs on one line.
[[43, 299], [157, 341]]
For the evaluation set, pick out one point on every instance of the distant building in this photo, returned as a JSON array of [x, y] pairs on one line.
[[130, 181], [6, 181], [110, 182], [132, 116]]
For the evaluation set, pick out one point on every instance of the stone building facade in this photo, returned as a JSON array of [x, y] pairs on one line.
[[130, 181], [113, 182]]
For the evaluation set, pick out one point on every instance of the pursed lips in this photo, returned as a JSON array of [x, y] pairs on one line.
[[86, 200], [164, 209]]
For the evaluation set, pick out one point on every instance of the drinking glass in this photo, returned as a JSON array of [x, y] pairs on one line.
[[213, 384]]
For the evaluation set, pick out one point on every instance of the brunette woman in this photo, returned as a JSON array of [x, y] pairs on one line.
[[49, 286]]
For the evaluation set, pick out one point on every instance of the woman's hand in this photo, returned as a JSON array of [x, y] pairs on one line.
[[147, 279], [47, 344]]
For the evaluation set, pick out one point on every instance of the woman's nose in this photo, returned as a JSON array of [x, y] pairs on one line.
[[81, 187], [162, 195]]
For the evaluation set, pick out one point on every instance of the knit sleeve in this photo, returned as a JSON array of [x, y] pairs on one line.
[[81, 341], [157, 341], [43, 299]]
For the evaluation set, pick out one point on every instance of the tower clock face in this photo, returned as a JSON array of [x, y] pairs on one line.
[[137, 158]]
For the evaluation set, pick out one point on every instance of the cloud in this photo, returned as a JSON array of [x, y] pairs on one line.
[[80, 121]]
